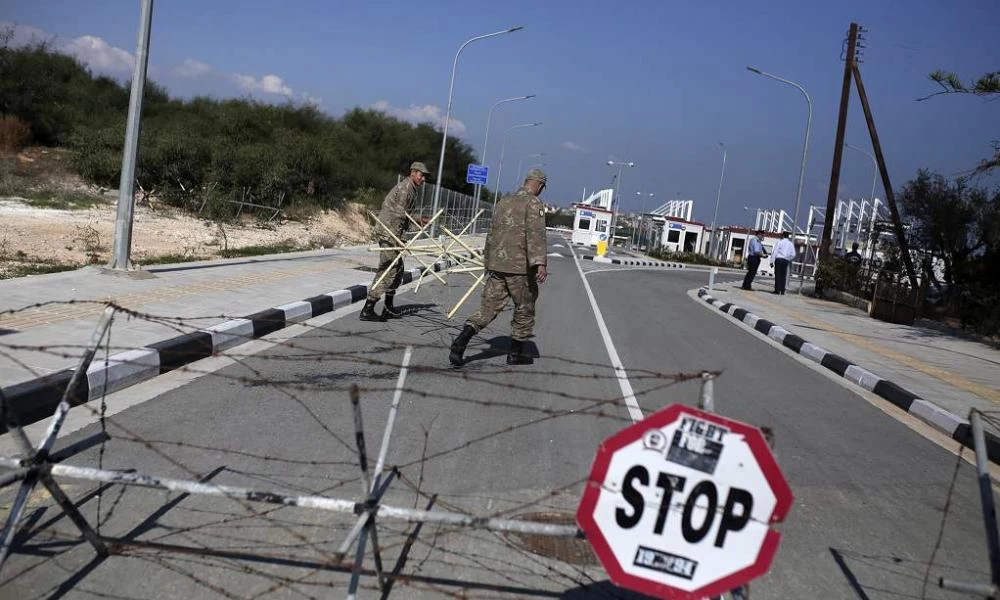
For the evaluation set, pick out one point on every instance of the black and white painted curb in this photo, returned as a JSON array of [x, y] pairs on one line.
[[942, 420], [635, 262], [37, 399]]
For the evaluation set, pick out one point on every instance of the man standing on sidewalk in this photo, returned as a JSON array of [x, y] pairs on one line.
[[781, 258], [515, 265], [397, 204], [755, 251]]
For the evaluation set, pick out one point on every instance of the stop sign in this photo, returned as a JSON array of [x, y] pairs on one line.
[[679, 505]]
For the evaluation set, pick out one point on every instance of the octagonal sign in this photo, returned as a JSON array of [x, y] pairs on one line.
[[680, 504]]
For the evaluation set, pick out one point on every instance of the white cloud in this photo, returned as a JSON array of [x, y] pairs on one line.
[[98, 54], [573, 147], [191, 68], [427, 113], [311, 100], [25, 34], [269, 84]]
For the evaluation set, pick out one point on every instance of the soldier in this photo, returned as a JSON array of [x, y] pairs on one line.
[[515, 265], [396, 205]]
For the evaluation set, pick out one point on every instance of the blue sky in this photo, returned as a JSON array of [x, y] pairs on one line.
[[659, 83]]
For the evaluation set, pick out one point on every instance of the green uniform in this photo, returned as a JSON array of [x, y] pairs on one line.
[[515, 246], [397, 204]]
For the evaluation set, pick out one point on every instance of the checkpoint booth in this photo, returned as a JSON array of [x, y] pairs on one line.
[[592, 221], [680, 235]]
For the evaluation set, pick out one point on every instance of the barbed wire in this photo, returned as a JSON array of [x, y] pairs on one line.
[[233, 538]]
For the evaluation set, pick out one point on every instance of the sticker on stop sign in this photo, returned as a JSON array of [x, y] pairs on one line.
[[679, 505]]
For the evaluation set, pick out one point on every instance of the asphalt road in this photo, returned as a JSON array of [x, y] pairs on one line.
[[491, 440]]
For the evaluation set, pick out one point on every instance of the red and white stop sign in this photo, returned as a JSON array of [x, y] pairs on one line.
[[679, 505]]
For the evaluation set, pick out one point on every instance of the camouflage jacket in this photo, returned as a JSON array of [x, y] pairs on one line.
[[516, 240], [398, 202]]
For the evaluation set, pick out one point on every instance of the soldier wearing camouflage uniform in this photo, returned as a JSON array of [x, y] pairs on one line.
[[515, 265], [397, 204]]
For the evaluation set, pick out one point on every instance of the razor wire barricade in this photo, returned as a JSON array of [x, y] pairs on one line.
[[371, 512], [37, 466], [458, 210]]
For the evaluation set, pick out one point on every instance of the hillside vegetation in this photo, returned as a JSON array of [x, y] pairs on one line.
[[198, 153]]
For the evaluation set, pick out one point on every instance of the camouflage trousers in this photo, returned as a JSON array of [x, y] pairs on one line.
[[393, 278], [522, 289]]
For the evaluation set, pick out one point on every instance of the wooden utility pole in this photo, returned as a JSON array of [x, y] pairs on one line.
[[890, 197], [838, 146]]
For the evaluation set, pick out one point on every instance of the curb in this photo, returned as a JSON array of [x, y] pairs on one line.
[[942, 420], [629, 262], [34, 400]]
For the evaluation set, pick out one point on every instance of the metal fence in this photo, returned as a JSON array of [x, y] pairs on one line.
[[458, 208]]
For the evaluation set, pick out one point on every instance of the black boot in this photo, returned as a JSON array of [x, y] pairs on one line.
[[390, 312], [516, 356], [368, 312], [458, 346]]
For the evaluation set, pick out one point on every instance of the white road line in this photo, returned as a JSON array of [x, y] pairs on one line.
[[627, 394], [392, 413]]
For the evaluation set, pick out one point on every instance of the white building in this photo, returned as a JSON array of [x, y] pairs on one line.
[[679, 235], [592, 221]]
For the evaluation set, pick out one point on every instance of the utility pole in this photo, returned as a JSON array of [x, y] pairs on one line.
[[838, 146], [890, 196], [120, 260]]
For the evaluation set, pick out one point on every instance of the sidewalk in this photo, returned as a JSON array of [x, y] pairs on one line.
[[954, 373], [44, 339]]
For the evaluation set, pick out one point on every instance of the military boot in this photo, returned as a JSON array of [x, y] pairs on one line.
[[368, 312], [516, 355], [390, 312], [460, 344]]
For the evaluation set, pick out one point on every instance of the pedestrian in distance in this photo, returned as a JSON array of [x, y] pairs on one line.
[[755, 252], [515, 265], [781, 259], [853, 257], [397, 205]]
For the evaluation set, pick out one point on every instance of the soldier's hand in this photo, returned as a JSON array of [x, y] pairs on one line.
[[541, 274], [424, 220]]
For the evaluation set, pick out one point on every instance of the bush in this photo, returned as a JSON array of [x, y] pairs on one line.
[[691, 258], [14, 133]]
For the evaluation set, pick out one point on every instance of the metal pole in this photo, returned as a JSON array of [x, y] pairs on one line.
[[447, 115], [486, 140], [713, 244], [986, 495], [805, 153], [126, 184]]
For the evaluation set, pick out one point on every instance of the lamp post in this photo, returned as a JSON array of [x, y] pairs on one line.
[[521, 164], [496, 193], [486, 138], [805, 151], [614, 201], [713, 246], [642, 218], [447, 114]]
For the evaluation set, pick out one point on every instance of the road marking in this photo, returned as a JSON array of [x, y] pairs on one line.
[[627, 394], [555, 254]]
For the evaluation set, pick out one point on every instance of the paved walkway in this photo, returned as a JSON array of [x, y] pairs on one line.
[[46, 320], [954, 373]]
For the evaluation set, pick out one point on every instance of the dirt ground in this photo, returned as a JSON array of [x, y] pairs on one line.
[[32, 235]]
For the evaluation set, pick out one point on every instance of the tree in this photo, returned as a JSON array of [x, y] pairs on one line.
[[986, 86]]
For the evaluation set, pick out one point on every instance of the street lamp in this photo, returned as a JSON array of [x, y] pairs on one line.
[[486, 138], [521, 164], [642, 218], [447, 114], [496, 193], [614, 202], [713, 245], [805, 150]]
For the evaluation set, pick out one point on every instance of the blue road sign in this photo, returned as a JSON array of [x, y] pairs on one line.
[[477, 174]]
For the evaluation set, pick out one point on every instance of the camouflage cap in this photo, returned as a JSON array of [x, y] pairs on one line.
[[419, 166], [536, 175]]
